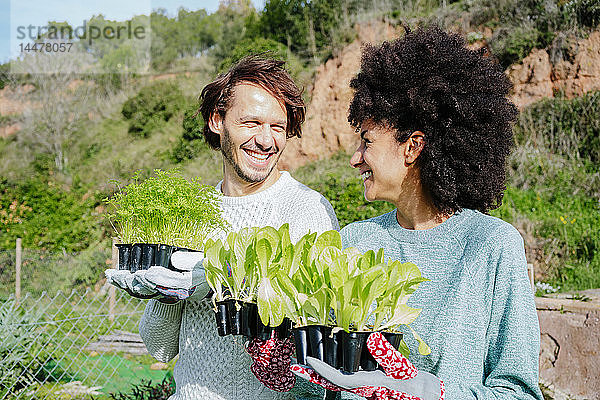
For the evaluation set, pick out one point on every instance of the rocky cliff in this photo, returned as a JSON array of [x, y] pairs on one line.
[[576, 70]]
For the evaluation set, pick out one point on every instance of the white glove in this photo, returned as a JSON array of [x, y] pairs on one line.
[[163, 283]]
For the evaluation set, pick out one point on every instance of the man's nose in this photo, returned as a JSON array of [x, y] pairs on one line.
[[264, 138]]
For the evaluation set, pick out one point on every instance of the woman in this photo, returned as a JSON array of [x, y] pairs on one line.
[[436, 130]]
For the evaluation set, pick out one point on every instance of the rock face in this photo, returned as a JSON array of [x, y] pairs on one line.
[[326, 129], [537, 76]]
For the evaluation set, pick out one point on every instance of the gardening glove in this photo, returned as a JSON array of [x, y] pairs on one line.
[[131, 283], [167, 285], [401, 380], [271, 361]]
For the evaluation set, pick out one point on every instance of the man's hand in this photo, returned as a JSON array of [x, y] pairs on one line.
[[401, 380], [162, 283]]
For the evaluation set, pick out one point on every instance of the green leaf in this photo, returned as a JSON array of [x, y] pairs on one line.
[[263, 254], [270, 304]]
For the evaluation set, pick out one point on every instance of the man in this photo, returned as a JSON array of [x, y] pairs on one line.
[[250, 112]]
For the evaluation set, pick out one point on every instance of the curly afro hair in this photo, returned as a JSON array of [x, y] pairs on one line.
[[429, 81]]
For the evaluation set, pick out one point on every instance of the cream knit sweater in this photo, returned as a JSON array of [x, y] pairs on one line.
[[214, 367]]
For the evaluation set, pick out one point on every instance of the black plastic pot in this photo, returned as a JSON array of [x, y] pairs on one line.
[[352, 345], [124, 255], [318, 342], [331, 347], [301, 343], [222, 319], [136, 257], [315, 340], [264, 332], [163, 255], [241, 317], [367, 362], [148, 255]]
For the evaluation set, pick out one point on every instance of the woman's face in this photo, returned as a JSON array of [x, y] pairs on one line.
[[381, 161]]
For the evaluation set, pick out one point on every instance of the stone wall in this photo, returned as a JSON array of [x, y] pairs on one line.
[[570, 348]]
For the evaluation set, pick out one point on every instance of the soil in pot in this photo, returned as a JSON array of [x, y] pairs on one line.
[[367, 362], [124, 255], [352, 345]]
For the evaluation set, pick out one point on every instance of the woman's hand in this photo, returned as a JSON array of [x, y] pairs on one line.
[[401, 380]]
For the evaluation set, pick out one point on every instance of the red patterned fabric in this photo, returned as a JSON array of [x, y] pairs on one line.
[[394, 364], [271, 363]]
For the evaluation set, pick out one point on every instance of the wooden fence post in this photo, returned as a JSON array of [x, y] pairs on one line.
[[18, 272], [112, 291], [531, 273]]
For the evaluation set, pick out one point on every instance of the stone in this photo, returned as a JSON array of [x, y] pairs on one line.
[[159, 366]]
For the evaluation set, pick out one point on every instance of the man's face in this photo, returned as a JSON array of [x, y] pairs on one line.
[[253, 133]]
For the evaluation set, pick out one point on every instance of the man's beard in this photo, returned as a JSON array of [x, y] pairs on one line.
[[227, 149]]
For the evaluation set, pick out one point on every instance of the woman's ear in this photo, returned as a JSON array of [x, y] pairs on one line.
[[414, 146], [215, 123]]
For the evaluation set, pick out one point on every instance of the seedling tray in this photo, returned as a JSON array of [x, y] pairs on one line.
[[234, 317], [341, 350], [141, 256]]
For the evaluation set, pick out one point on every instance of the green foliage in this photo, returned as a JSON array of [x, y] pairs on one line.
[[46, 216], [342, 186], [569, 224], [192, 141], [25, 359], [586, 12], [569, 127], [151, 107], [165, 208], [258, 45], [511, 45], [148, 391]]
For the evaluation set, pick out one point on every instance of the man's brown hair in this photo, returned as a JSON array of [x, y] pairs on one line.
[[267, 73]]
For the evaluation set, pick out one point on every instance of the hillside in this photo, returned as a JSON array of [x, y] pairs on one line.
[[54, 200]]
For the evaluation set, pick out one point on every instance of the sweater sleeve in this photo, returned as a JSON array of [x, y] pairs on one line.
[[159, 329], [513, 335]]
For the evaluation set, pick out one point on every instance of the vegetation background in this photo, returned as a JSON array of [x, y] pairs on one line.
[[51, 188], [67, 137]]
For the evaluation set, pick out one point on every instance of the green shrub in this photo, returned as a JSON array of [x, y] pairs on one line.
[[511, 45], [47, 216], [25, 359], [146, 390], [586, 12], [343, 187], [192, 141], [151, 107], [569, 127]]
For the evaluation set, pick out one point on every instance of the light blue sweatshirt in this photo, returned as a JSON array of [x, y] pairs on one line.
[[478, 315]]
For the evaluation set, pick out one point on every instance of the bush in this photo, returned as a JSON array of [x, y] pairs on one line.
[[25, 360], [46, 216], [343, 187], [568, 127], [146, 390], [151, 107], [511, 45], [191, 142], [586, 12]]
